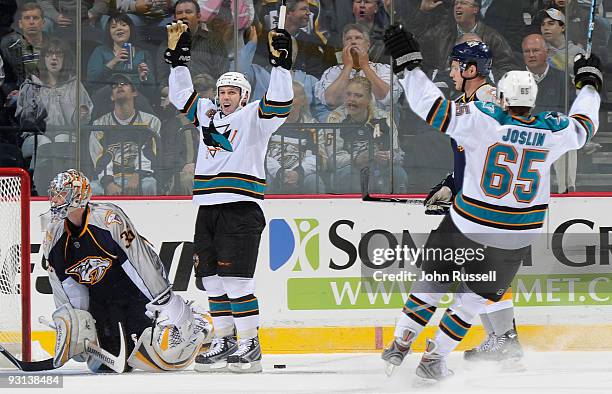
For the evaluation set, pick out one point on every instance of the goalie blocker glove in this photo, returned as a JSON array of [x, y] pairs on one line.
[[280, 48], [403, 47], [181, 55], [587, 71]]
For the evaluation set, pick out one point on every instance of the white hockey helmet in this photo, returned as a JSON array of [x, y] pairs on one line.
[[69, 190], [517, 89], [238, 80]]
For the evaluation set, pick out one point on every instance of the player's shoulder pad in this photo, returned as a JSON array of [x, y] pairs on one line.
[[107, 216], [492, 110], [487, 93], [52, 235], [551, 120]]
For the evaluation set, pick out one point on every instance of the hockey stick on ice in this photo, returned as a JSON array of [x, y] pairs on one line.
[[366, 196], [28, 366]]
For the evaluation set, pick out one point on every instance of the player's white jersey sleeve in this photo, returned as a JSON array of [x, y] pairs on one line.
[[428, 102], [584, 117], [275, 106], [182, 95]]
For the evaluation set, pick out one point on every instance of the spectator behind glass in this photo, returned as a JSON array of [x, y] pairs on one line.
[[63, 13], [259, 75], [314, 53], [367, 143], [208, 52], [551, 97], [552, 25], [55, 90], [437, 32], [578, 13], [291, 164], [368, 13], [355, 62], [21, 50], [124, 171], [113, 58]]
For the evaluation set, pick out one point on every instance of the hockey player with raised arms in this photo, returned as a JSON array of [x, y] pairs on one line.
[[471, 63], [103, 272], [501, 207], [228, 186]]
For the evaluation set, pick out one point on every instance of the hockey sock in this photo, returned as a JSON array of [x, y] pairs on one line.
[[220, 307], [457, 320], [415, 314], [451, 331], [245, 311], [221, 313], [244, 305]]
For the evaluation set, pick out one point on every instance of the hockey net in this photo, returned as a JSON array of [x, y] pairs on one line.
[[15, 326]]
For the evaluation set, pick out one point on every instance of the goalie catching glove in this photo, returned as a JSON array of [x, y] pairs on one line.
[[72, 328], [280, 48], [440, 197], [587, 71], [178, 52], [403, 47]]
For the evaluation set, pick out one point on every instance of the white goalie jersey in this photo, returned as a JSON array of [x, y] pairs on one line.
[[506, 185], [232, 149]]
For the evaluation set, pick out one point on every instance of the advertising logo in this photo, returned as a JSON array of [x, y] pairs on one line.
[[296, 241]]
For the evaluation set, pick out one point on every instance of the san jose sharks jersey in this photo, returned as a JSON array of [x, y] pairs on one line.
[[486, 93], [506, 186], [232, 149], [103, 259]]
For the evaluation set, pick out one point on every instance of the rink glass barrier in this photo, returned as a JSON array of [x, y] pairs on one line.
[[59, 104]]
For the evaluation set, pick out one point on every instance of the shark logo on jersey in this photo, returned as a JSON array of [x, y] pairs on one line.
[[215, 139], [554, 116], [489, 107], [90, 270]]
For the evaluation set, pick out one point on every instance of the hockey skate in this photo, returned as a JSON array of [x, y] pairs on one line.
[[497, 348], [477, 353], [247, 359], [215, 359], [397, 351], [432, 367]]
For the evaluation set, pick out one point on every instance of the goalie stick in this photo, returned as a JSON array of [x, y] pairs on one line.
[[116, 363], [366, 196]]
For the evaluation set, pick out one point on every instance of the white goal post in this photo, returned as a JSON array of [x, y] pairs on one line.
[[15, 321]]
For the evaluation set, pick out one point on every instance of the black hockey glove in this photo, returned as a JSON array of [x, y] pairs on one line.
[[587, 72], [279, 48], [403, 47], [178, 52], [440, 197]]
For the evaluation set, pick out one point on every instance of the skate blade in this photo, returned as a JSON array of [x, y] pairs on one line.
[[421, 383], [512, 365], [216, 367], [253, 367], [389, 368]]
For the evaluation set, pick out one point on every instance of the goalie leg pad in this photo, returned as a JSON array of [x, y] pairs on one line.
[[171, 348], [72, 327]]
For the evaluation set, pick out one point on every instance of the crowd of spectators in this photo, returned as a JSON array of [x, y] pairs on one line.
[[111, 103]]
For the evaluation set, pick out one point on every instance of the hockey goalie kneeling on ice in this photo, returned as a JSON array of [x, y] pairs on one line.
[[115, 306]]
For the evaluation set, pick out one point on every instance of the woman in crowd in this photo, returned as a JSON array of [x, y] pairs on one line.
[[121, 55]]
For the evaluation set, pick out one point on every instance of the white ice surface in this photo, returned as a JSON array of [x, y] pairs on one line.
[[550, 372]]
